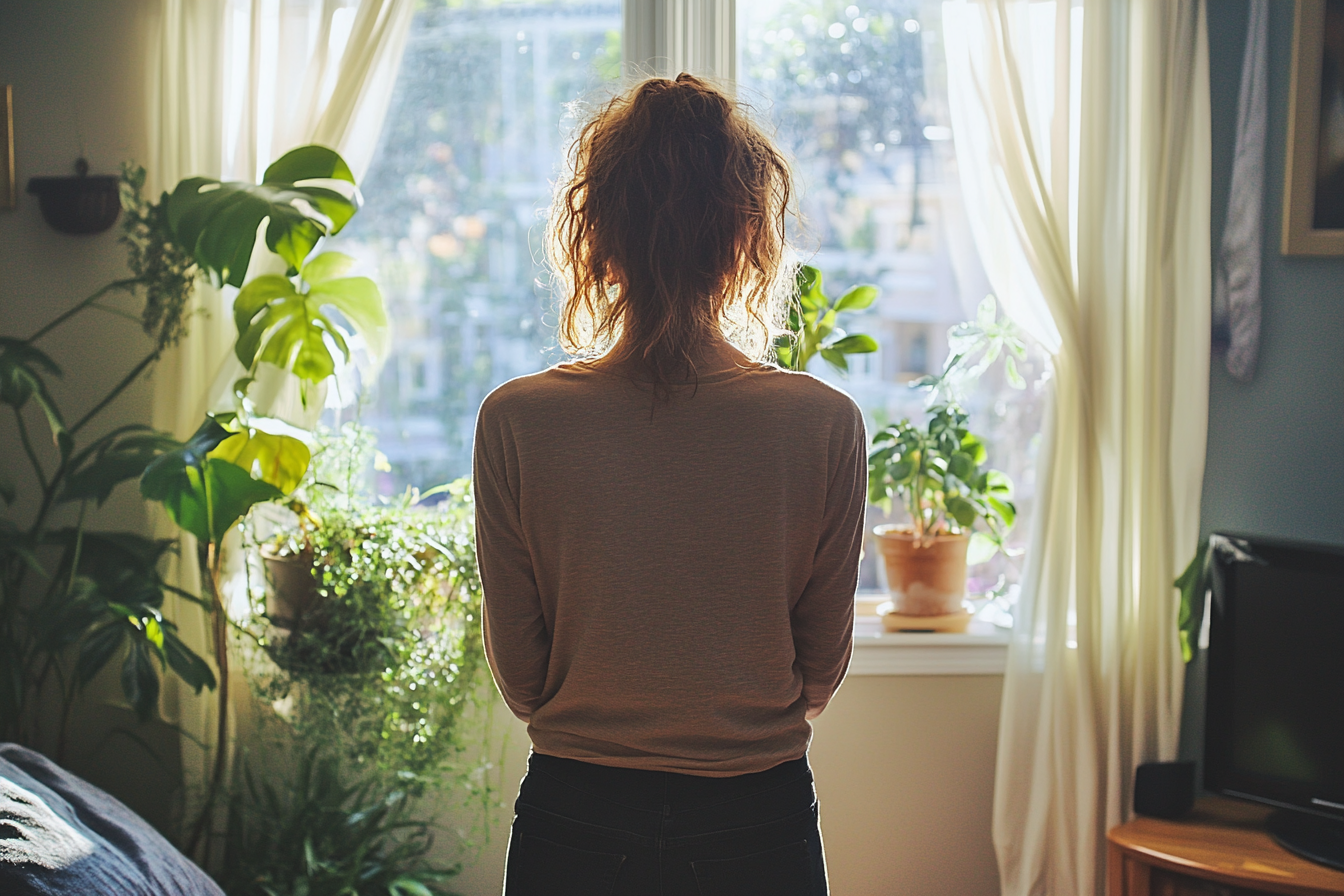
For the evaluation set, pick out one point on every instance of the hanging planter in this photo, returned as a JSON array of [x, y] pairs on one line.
[[79, 205], [293, 590]]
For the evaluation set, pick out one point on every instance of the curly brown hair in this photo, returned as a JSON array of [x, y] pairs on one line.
[[670, 228]]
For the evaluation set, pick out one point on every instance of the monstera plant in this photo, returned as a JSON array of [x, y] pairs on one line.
[[74, 598], [292, 322]]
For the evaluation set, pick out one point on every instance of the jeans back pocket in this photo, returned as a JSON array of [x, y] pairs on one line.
[[783, 871], [541, 867]]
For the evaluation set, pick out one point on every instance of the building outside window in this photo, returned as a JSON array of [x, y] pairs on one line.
[[474, 139]]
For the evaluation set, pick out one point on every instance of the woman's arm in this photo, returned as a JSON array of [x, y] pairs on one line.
[[823, 617], [517, 641]]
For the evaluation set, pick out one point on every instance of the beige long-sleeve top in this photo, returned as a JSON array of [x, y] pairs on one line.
[[670, 586]]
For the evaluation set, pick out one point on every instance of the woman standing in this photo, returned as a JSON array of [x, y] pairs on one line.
[[669, 532]]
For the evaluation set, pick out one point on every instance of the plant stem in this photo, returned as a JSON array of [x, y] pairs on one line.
[[209, 557], [129, 283], [117, 390], [28, 449]]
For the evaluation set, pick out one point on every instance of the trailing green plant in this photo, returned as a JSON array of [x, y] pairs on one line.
[[73, 599], [390, 654], [320, 833], [939, 475], [813, 325]]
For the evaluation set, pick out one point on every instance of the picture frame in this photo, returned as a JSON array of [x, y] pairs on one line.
[[9, 194], [1313, 190]]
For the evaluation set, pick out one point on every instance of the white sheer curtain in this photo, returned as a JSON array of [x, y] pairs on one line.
[[1082, 138], [233, 85]]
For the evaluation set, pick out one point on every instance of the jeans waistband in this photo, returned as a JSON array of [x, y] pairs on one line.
[[641, 788]]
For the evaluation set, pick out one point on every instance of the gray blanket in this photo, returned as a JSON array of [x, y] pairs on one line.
[[61, 835]]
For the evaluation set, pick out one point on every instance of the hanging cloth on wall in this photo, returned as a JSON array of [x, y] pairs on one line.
[[1236, 274]]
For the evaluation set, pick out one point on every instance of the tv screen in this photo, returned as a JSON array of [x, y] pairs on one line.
[[1275, 712]]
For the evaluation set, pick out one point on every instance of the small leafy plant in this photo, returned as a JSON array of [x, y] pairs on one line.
[[322, 834], [374, 679], [938, 474], [813, 328]]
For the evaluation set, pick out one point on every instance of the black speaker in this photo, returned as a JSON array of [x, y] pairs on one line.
[[1164, 789]]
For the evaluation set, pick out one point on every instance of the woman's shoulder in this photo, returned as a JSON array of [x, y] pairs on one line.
[[540, 387], [802, 387]]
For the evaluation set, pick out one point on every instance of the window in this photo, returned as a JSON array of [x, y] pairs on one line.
[[858, 94], [474, 138], [451, 225]]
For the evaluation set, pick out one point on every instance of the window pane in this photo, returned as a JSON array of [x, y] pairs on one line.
[[451, 229], [858, 94]]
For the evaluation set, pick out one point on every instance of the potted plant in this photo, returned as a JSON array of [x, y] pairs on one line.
[[938, 474], [373, 680]]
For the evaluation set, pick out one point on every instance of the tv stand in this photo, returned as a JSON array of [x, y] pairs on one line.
[[1222, 846], [1317, 839]]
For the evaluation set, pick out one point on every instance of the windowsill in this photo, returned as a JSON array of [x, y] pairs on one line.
[[982, 650]]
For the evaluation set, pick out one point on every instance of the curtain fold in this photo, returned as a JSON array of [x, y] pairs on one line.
[[233, 84], [1082, 138]]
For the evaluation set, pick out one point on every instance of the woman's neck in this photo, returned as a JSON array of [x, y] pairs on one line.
[[713, 354]]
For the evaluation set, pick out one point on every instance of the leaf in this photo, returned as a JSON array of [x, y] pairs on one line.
[[7, 488], [126, 458], [361, 302], [962, 511], [987, 312], [1193, 585], [189, 666], [22, 371], [808, 282], [218, 220], [981, 549], [69, 615], [98, 648], [1006, 510], [1011, 372], [857, 298], [283, 326], [176, 478], [836, 359], [962, 466], [855, 344], [140, 679], [233, 492], [277, 459], [998, 483]]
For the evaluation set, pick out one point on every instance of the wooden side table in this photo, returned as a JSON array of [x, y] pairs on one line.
[[1219, 849]]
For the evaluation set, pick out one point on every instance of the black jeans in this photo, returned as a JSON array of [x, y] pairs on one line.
[[592, 830]]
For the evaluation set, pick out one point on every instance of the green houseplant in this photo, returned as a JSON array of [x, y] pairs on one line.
[[813, 325], [73, 598], [374, 678], [233, 462], [938, 474]]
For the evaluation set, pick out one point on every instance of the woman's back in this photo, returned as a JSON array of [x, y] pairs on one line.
[[683, 573]]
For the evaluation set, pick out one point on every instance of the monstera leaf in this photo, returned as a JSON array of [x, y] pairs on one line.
[[307, 194], [278, 460], [202, 493], [282, 325]]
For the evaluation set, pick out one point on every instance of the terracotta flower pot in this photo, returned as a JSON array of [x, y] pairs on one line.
[[293, 586], [924, 580]]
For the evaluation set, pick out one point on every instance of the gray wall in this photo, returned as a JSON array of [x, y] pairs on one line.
[[1276, 444]]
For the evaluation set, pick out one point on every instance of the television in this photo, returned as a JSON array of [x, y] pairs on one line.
[[1275, 706]]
